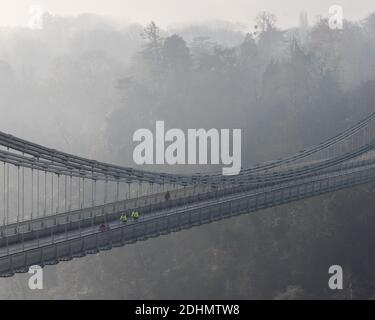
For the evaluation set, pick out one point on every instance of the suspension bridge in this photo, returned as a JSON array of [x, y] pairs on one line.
[[53, 204]]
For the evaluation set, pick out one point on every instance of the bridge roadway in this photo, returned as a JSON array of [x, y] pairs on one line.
[[46, 250], [55, 225], [96, 215], [51, 225]]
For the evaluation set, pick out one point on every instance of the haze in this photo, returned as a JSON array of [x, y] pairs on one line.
[[167, 12], [84, 85]]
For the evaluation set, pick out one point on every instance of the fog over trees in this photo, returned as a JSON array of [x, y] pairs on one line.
[[84, 85]]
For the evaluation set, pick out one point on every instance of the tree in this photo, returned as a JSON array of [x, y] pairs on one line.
[[369, 24], [153, 42], [271, 40], [176, 54], [265, 20]]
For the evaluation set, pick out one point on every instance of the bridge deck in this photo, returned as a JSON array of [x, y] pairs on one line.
[[46, 250]]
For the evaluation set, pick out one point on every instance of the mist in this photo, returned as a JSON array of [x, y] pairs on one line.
[[84, 83]]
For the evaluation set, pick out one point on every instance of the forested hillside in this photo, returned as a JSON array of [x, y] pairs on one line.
[[87, 84]]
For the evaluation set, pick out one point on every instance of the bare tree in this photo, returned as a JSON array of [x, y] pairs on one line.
[[265, 20]]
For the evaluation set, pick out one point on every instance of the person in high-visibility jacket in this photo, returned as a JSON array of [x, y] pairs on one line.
[[135, 215], [124, 218]]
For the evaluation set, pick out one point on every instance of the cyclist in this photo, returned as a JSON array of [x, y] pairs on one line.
[[104, 227], [135, 215]]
